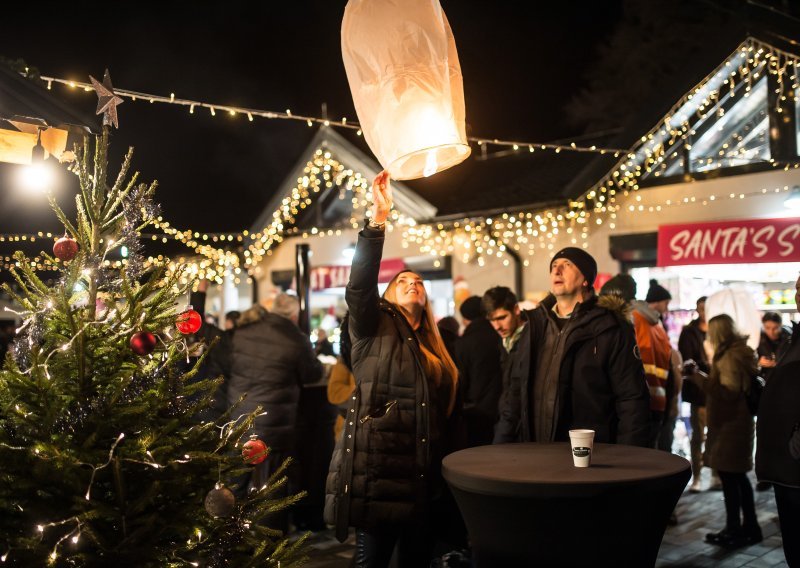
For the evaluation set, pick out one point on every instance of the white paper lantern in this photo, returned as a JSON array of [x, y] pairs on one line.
[[402, 65], [740, 305]]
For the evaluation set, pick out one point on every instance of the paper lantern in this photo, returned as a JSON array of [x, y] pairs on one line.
[[740, 305], [404, 74]]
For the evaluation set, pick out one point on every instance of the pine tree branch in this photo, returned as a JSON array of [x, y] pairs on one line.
[[62, 217], [116, 190], [99, 182]]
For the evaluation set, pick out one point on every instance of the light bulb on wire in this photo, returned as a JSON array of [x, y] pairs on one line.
[[36, 177]]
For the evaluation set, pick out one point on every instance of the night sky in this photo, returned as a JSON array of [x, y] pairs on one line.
[[521, 61]]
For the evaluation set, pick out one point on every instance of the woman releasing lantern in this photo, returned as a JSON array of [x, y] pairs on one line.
[[385, 477]]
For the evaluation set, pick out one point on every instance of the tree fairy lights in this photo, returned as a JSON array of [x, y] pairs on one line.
[[104, 457]]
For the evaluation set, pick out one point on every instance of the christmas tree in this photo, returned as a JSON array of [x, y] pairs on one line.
[[102, 459]]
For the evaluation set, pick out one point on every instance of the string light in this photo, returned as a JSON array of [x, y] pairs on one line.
[[311, 120], [95, 469], [478, 238]]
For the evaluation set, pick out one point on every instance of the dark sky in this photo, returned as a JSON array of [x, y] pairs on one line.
[[521, 61]]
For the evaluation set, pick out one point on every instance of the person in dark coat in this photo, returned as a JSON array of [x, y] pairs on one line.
[[385, 477], [774, 337], [478, 356], [271, 360], [729, 445], [323, 345], [690, 344], [448, 330], [574, 365], [218, 361], [778, 449]]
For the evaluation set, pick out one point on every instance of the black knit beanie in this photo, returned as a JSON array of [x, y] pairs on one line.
[[657, 293], [580, 258], [471, 308]]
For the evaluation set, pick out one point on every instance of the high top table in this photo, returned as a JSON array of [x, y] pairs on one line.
[[527, 505]]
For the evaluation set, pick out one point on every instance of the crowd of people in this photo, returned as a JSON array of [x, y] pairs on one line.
[[407, 390]]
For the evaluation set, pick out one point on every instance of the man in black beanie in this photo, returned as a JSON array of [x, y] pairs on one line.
[[658, 297], [478, 357], [575, 364]]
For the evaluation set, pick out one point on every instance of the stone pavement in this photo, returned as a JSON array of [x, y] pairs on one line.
[[682, 547]]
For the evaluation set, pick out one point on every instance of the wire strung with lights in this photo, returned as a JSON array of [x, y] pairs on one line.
[[251, 114], [525, 231]]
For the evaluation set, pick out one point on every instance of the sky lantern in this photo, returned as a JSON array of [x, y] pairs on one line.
[[403, 70], [740, 305]]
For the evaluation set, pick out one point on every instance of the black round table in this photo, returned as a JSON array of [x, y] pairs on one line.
[[527, 505]]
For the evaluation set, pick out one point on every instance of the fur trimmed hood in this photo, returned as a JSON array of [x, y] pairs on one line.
[[618, 305], [254, 314], [611, 302]]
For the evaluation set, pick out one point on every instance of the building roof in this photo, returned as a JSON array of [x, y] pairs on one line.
[[710, 65], [406, 201], [22, 97]]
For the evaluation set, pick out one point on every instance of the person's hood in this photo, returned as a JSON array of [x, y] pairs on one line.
[[649, 314], [252, 315], [616, 304], [611, 302]]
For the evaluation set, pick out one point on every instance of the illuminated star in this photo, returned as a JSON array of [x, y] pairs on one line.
[[107, 100]]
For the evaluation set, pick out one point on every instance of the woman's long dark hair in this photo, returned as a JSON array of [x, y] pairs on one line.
[[436, 358]]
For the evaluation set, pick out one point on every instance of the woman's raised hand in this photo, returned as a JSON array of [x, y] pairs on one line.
[[381, 197]]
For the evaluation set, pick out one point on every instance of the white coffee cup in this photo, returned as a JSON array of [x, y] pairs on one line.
[[582, 445]]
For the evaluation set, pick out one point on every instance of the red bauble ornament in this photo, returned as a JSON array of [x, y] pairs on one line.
[[189, 321], [254, 451], [65, 248], [143, 343]]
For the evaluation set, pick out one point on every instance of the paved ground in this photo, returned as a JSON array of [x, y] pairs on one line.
[[682, 547]]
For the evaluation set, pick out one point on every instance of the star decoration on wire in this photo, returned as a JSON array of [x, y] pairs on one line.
[[107, 100]]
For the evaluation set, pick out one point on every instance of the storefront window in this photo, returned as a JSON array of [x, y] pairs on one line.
[[797, 117], [737, 137], [772, 287], [735, 132]]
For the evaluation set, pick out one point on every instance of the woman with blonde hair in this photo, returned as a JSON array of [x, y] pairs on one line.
[[385, 477], [729, 443]]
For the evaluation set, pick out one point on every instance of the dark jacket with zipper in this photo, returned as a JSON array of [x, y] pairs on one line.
[[599, 382], [386, 466], [271, 360], [778, 418], [479, 352]]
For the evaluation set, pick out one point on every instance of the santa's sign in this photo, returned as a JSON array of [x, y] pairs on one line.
[[730, 242]]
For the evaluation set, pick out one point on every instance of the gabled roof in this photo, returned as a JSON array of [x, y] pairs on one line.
[[30, 115], [681, 98], [22, 97], [406, 201]]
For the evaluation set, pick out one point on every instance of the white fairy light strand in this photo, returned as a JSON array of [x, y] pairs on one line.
[[525, 233], [74, 533], [251, 113], [88, 495]]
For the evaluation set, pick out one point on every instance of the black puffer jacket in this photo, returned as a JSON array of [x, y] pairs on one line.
[[601, 382], [385, 467], [778, 415], [479, 352], [271, 359]]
